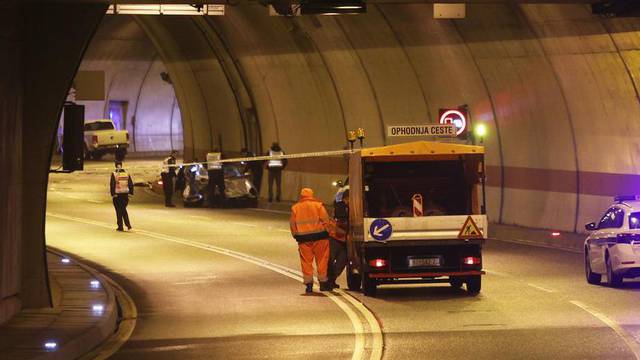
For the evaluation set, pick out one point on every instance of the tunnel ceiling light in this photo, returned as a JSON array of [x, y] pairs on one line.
[[50, 345], [322, 7], [165, 9], [316, 7]]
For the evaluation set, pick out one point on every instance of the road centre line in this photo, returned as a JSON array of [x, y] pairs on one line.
[[628, 339], [340, 297], [271, 211], [541, 288]]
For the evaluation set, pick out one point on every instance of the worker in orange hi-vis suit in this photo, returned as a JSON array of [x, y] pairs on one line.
[[309, 226]]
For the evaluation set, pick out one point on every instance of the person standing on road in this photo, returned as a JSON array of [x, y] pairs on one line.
[[256, 169], [216, 178], [121, 187], [275, 167], [168, 174], [338, 240], [309, 224]]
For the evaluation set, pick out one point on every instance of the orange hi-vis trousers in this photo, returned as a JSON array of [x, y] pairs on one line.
[[309, 250]]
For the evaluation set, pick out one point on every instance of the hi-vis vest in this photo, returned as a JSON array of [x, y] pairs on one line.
[[212, 157], [275, 163], [122, 182]]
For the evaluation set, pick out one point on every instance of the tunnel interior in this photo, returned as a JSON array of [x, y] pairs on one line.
[[556, 85]]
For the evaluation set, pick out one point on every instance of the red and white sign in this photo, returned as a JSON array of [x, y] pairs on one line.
[[417, 205], [456, 117]]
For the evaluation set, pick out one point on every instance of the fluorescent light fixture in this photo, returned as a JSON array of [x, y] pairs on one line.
[[333, 7], [95, 284], [97, 309], [166, 9], [50, 345], [65, 261]]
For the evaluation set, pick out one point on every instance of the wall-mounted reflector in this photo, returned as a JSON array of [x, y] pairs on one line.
[[166, 9]]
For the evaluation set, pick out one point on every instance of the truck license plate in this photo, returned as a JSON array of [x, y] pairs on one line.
[[433, 261]]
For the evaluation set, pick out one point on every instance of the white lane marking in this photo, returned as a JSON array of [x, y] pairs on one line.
[[359, 346], [166, 348], [244, 224], [374, 327], [271, 211], [628, 339], [541, 288], [199, 217]]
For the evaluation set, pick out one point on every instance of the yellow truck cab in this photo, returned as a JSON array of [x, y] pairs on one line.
[[417, 214]]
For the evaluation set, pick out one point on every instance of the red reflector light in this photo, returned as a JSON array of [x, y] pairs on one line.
[[378, 263], [471, 260]]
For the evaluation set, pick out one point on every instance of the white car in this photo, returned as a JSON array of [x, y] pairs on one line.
[[101, 137], [613, 246]]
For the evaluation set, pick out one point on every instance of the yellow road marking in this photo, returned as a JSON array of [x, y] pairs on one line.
[[340, 298], [628, 339]]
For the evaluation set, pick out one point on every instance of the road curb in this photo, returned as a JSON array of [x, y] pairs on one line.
[[104, 339]]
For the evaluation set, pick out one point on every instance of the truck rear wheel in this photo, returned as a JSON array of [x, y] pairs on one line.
[[474, 283], [369, 285], [353, 280]]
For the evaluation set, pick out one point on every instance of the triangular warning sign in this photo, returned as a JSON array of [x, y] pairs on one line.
[[470, 230]]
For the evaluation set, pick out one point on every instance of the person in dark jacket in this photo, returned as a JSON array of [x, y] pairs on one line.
[[275, 167], [256, 169], [168, 174], [121, 187]]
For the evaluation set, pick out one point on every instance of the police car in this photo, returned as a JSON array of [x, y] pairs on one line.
[[612, 248]]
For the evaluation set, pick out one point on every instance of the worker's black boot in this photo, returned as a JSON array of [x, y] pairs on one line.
[[325, 286], [309, 289]]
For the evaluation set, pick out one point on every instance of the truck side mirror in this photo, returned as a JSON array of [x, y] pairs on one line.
[[591, 226]]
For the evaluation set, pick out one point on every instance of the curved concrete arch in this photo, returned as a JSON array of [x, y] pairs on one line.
[[132, 71]]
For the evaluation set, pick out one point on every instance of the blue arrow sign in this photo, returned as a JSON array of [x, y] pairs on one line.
[[380, 229]]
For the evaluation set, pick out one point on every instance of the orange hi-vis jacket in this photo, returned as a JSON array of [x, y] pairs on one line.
[[338, 230], [309, 220]]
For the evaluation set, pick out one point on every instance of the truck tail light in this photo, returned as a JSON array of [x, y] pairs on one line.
[[471, 260], [378, 263], [94, 139]]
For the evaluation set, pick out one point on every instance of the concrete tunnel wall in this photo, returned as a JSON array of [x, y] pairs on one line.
[[556, 85], [132, 69], [41, 46]]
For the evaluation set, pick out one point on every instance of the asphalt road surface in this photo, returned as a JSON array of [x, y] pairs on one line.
[[225, 283]]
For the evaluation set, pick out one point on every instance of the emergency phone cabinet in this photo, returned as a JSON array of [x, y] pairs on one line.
[[417, 215]]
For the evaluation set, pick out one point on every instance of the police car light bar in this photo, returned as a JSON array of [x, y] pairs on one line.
[[621, 198]]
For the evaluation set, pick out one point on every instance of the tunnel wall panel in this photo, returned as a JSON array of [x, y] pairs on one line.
[[556, 85], [132, 74]]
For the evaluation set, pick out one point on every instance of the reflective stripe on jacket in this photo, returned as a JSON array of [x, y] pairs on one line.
[[121, 182], [309, 220], [275, 163], [212, 163]]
